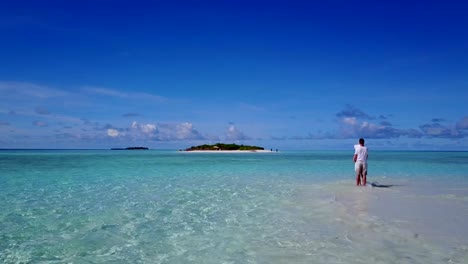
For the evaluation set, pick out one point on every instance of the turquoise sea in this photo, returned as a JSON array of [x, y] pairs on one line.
[[155, 206]]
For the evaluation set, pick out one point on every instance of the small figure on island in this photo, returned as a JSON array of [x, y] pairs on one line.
[[360, 162]]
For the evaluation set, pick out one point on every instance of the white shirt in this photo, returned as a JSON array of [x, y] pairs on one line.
[[361, 152]]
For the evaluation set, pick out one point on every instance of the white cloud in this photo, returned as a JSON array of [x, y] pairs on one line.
[[370, 126], [350, 121], [124, 95], [113, 132], [165, 131], [186, 131], [24, 89], [440, 131], [148, 129], [351, 127], [232, 133], [435, 131], [104, 91]]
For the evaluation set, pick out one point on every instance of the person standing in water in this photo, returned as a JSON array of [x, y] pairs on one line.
[[360, 162]]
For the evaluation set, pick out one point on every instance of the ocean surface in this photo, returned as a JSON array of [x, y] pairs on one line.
[[154, 206]]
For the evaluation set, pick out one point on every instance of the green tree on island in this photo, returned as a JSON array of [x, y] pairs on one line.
[[222, 146]]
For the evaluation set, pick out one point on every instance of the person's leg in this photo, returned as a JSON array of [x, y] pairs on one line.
[[358, 169], [364, 174]]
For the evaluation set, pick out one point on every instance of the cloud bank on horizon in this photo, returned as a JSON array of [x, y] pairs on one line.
[[40, 116], [282, 74]]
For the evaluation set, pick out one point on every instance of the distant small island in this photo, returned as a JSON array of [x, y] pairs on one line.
[[223, 147], [131, 148]]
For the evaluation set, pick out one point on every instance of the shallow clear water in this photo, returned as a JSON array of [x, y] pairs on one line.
[[100, 206]]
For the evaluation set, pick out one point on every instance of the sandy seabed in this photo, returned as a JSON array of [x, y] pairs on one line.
[[413, 219]]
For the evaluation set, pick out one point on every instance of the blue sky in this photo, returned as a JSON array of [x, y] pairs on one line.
[[279, 74]]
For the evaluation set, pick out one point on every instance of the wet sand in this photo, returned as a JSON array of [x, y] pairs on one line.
[[433, 210], [410, 220]]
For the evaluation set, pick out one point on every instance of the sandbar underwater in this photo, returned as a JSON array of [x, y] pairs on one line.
[[103, 206]]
